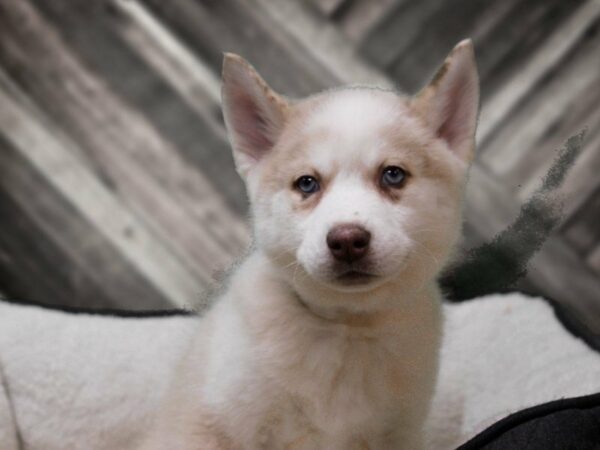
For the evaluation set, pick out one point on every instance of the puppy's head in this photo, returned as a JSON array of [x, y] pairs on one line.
[[355, 188]]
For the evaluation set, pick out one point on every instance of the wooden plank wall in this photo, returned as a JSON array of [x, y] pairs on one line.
[[117, 187]]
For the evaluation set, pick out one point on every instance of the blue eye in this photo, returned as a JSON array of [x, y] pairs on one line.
[[393, 176], [307, 184]]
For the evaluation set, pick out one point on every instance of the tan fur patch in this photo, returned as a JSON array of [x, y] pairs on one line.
[[287, 163]]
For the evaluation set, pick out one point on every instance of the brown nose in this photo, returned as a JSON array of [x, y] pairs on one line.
[[348, 242]]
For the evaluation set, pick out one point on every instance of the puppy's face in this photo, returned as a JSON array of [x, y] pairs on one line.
[[355, 188]]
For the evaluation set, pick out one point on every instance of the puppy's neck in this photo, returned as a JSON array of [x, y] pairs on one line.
[[265, 287], [349, 318]]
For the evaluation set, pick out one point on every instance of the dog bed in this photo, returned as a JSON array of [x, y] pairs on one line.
[[512, 376]]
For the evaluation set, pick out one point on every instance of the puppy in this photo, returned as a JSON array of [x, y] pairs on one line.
[[327, 335]]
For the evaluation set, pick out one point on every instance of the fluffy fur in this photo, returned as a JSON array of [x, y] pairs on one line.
[[306, 350]]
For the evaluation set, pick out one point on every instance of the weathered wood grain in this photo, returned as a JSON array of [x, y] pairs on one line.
[[361, 16], [119, 142], [557, 271], [542, 121], [213, 27], [328, 47], [34, 242], [583, 179], [329, 7], [593, 258], [59, 250], [559, 43], [516, 36], [582, 112], [582, 231], [197, 84], [94, 34], [391, 35], [419, 57]]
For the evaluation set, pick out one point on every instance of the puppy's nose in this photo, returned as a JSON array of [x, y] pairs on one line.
[[348, 242]]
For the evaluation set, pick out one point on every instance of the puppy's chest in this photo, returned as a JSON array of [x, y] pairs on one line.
[[335, 395]]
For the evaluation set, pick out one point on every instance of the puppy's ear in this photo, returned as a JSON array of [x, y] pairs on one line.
[[254, 113], [450, 102]]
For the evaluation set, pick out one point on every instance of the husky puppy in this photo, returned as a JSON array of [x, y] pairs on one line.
[[327, 335]]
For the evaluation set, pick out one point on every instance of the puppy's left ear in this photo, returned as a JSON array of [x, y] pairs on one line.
[[254, 113], [449, 104]]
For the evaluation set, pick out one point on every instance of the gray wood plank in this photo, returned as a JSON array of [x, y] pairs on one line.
[[583, 180], [329, 7], [498, 107], [558, 271], [594, 258], [94, 33], [414, 37], [326, 44], [432, 39], [53, 156], [510, 42], [197, 84], [362, 15], [582, 230], [211, 28], [175, 200], [391, 35], [50, 254], [524, 142]]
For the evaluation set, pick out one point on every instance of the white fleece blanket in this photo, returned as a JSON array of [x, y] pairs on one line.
[[76, 381]]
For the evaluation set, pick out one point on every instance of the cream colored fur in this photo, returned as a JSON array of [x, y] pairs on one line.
[[293, 355]]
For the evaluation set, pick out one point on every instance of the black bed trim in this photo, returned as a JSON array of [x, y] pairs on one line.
[[141, 314], [494, 431]]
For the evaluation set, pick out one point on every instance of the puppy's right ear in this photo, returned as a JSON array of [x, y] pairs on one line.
[[254, 113]]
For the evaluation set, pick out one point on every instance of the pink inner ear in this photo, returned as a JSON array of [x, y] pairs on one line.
[[455, 125], [457, 101], [251, 126]]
